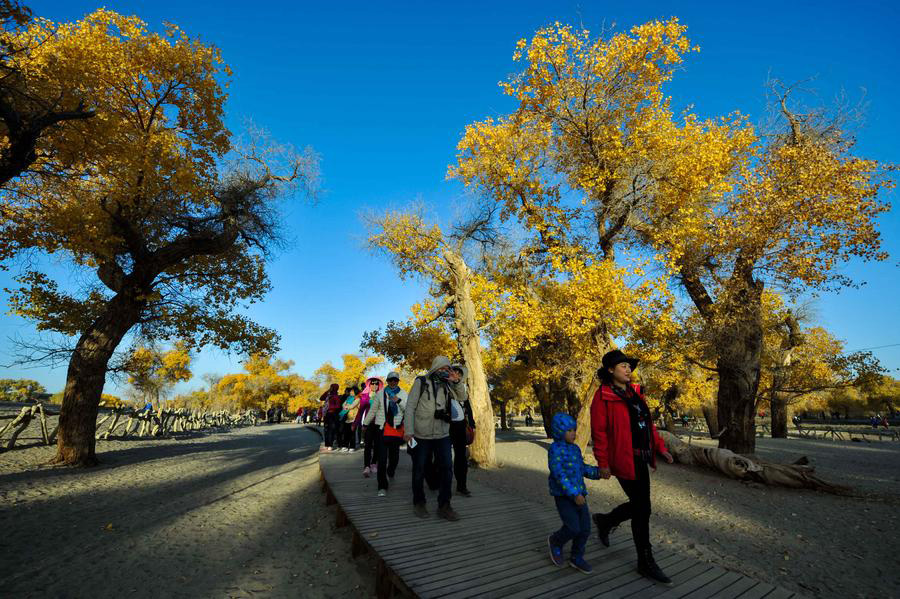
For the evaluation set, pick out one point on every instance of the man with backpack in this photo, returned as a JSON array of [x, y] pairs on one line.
[[427, 429]]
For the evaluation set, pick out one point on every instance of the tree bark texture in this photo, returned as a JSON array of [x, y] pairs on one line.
[[76, 440], [738, 365], [736, 400], [778, 412], [469, 340]]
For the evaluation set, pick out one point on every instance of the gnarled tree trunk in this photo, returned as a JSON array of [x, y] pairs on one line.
[[469, 340], [76, 440], [739, 351]]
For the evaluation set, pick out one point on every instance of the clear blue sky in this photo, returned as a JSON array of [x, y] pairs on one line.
[[383, 91]]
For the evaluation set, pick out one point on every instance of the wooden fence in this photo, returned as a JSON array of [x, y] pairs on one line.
[[125, 422]]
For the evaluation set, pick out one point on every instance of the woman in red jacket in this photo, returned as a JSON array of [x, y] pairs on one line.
[[625, 445]]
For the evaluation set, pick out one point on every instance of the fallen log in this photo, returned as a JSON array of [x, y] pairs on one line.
[[799, 475]]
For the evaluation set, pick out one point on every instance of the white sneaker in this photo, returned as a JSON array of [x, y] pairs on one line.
[[351, 450], [382, 493], [344, 449]]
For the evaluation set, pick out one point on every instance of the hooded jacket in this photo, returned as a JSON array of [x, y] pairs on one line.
[[332, 399], [365, 400], [611, 433], [426, 396], [567, 468]]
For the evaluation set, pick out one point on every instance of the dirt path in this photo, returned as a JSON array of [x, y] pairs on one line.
[[814, 543], [237, 514]]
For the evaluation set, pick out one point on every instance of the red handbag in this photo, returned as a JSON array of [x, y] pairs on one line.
[[470, 434], [390, 431]]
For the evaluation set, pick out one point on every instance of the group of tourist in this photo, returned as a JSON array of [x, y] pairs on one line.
[[434, 420]]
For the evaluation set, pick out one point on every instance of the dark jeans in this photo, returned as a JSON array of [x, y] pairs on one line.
[[440, 449], [371, 440], [637, 508], [460, 453], [331, 428], [348, 435], [576, 526], [388, 458]]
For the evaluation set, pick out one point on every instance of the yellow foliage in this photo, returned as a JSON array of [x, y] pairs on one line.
[[152, 372], [354, 370], [265, 383]]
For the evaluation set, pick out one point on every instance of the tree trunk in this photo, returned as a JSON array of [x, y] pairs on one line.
[[738, 364], [503, 424], [469, 340], [735, 321], [777, 403], [778, 412], [76, 440], [549, 404], [712, 420], [668, 401]]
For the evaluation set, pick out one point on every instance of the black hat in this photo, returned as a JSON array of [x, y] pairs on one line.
[[611, 358]]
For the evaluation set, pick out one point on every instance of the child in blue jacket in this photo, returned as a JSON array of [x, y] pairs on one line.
[[567, 472]]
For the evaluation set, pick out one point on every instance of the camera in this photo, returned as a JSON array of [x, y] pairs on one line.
[[442, 414]]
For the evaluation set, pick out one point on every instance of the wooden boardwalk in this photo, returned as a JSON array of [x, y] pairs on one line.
[[499, 547]]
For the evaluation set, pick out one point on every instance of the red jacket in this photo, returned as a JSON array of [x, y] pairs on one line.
[[611, 433]]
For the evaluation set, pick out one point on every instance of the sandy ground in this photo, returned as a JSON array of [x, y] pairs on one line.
[[813, 543], [240, 514], [237, 514]]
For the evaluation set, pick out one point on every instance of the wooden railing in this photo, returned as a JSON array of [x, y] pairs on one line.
[[125, 422]]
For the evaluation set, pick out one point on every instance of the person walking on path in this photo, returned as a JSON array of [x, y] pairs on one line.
[[332, 406], [461, 421], [346, 416], [427, 423], [566, 481], [370, 393], [625, 445], [385, 419]]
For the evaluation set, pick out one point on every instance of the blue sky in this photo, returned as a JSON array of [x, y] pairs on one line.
[[382, 91]]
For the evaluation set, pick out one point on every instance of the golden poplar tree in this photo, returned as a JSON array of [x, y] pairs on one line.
[[173, 244], [594, 158], [424, 250]]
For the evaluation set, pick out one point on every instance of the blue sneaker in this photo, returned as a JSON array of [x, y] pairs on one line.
[[556, 553], [579, 564]]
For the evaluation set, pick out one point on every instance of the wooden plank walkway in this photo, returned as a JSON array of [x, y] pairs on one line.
[[499, 547]]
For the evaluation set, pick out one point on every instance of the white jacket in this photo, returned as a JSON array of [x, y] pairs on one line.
[[376, 411]]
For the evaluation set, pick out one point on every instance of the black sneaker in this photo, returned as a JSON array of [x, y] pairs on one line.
[[420, 511], [464, 492]]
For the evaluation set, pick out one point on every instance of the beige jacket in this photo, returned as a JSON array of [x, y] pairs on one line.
[[424, 398]]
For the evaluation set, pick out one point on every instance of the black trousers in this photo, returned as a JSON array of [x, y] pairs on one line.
[[388, 458], [332, 428], [637, 508], [460, 453], [348, 435], [370, 440]]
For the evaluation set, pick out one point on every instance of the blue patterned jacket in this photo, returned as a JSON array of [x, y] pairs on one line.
[[567, 468]]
